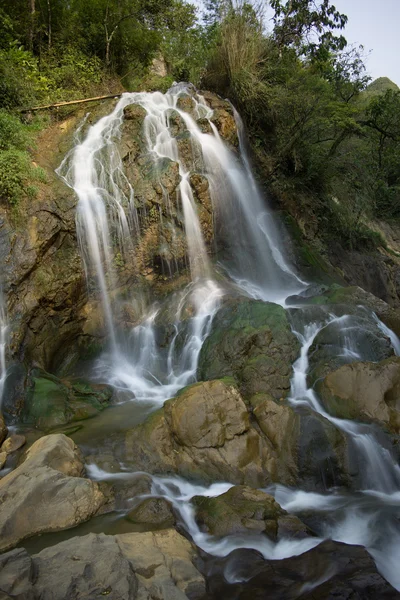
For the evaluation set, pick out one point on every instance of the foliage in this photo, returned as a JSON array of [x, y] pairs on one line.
[[16, 176]]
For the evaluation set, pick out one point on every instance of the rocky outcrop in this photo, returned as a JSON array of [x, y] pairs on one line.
[[209, 432], [365, 391], [204, 432], [46, 492], [132, 566], [245, 510], [253, 342], [54, 323]]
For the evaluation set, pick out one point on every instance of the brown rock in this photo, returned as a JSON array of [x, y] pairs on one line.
[[365, 391], [204, 432], [46, 492], [156, 565], [154, 512], [13, 443]]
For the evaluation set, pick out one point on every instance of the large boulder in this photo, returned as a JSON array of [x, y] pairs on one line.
[[206, 432], [245, 510], [142, 566], [46, 492], [365, 391], [253, 342]]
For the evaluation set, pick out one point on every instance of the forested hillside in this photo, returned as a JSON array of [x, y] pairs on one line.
[[327, 144]]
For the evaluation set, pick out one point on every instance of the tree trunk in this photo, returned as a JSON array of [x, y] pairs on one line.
[[49, 24], [32, 24]]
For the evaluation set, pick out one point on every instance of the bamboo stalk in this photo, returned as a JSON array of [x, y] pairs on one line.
[[57, 104]]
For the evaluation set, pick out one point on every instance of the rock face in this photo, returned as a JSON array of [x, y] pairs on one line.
[[46, 492], [253, 342], [204, 432], [132, 566], [245, 510], [330, 570], [365, 391], [207, 432], [54, 323]]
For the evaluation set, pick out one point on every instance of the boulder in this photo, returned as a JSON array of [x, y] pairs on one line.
[[365, 391], [281, 425], [46, 492], [13, 443], [51, 402], [245, 510], [205, 432], [253, 342], [142, 566], [153, 512]]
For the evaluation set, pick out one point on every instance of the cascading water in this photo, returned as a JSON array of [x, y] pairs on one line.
[[251, 255], [106, 210]]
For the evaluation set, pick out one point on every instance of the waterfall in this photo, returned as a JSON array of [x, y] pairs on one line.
[[108, 226], [250, 255]]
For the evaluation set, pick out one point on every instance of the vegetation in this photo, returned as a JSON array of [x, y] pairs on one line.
[[326, 141]]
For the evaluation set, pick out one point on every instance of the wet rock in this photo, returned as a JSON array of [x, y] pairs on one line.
[[13, 443], [134, 112], [3, 429], [239, 510], [281, 425], [330, 570], [253, 342], [365, 391], [356, 296], [154, 512], [156, 565], [46, 492], [52, 401], [323, 455], [204, 432], [226, 125]]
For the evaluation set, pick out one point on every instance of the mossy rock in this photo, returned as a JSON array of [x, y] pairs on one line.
[[154, 512], [251, 341], [245, 510], [52, 402]]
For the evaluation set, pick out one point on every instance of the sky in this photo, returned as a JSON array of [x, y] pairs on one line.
[[376, 25]]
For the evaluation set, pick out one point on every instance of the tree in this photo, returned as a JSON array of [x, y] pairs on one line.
[[308, 26]]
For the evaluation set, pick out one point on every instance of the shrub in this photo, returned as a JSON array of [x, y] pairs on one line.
[[16, 176]]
